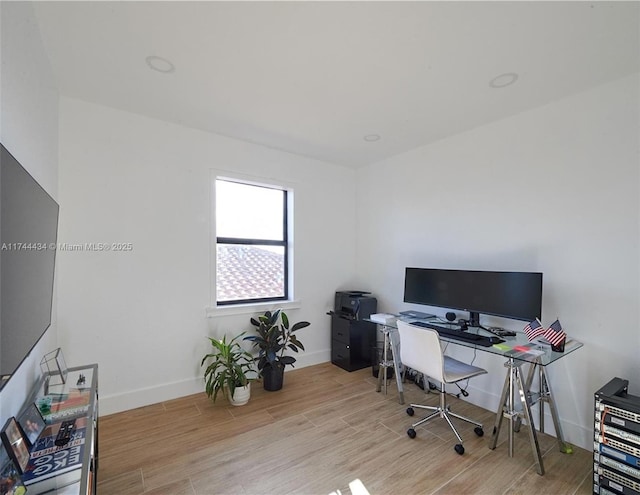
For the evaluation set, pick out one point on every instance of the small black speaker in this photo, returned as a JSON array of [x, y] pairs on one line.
[[450, 316]]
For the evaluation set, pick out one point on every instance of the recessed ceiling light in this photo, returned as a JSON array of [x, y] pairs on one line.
[[372, 137], [160, 64], [503, 80]]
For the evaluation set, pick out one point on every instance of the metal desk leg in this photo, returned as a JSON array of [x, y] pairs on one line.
[[391, 343], [382, 369], [545, 395], [507, 409], [394, 338], [533, 437], [503, 411]]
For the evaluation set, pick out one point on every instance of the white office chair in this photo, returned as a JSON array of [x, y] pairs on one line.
[[420, 350]]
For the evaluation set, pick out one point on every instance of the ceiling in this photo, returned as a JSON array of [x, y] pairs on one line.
[[315, 78]]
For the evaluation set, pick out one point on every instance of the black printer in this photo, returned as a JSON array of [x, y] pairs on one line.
[[352, 338], [354, 304]]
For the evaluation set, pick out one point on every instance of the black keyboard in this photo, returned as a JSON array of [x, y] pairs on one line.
[[454, 334]]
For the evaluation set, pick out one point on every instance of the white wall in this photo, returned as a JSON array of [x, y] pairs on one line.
[[554, 190], [29, 130], [141, 314]]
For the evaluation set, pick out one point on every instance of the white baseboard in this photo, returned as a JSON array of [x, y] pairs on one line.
[[311, 358], [110, 404]]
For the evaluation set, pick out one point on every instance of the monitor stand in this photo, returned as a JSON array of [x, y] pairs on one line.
[[474, 319]]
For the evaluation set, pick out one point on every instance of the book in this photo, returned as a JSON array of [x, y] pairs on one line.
[[65, 406], [51, 466]]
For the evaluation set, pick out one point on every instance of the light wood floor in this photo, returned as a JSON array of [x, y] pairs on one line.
[[325, 428]]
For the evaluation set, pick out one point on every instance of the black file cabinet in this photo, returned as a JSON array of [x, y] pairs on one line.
[[351, 343]]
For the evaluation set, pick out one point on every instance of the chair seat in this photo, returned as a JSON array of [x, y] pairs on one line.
[[455, 370]]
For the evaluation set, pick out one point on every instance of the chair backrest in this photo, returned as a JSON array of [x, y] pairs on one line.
[[420, 350]]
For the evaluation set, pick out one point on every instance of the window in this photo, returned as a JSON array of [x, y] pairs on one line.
[[251, 243]]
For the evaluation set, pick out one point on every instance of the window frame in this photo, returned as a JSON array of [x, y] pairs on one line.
[[246, 241]]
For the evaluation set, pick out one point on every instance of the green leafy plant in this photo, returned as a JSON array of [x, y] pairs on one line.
[[228, 367], [274, 336]]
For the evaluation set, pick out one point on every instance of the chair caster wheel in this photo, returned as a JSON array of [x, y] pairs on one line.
[[478, 431], [459, 448], [410, 411], [411, 432]]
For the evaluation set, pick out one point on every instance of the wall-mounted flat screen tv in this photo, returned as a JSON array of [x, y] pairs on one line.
[[28, 236]]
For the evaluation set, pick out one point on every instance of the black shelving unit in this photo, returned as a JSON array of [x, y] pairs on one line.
[[616, 447]]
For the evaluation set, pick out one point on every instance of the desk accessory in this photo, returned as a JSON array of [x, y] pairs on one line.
[[54, 367], [500, 332], [10, 479], [15, 443], [383, 318], [31, 422], [554, 335], [502, 347], [67, 428], [417, 314], [457, 334], [533, 329]]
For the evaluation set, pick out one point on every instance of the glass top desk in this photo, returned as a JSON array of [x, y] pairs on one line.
[[518, 351]]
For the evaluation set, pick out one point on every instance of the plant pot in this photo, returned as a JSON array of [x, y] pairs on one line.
[[273, 377], [240, 395]]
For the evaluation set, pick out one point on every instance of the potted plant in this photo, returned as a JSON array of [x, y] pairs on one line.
[[227, 370], [274, 337]]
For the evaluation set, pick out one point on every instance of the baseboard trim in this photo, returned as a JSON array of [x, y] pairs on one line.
[[132, 399]]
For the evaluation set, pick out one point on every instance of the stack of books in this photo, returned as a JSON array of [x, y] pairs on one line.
[[67, 405]]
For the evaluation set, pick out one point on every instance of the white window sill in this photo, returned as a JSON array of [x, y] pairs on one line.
[[252, 308]]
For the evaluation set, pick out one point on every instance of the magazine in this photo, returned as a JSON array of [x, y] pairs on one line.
[[48, 462]]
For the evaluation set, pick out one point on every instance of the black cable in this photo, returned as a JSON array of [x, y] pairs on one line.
[[463, 391]]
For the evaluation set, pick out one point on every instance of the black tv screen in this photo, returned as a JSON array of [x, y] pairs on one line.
[[28, 236], [515, 295]]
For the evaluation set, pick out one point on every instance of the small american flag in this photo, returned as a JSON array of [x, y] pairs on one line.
[[554, 334], [534, 329]]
